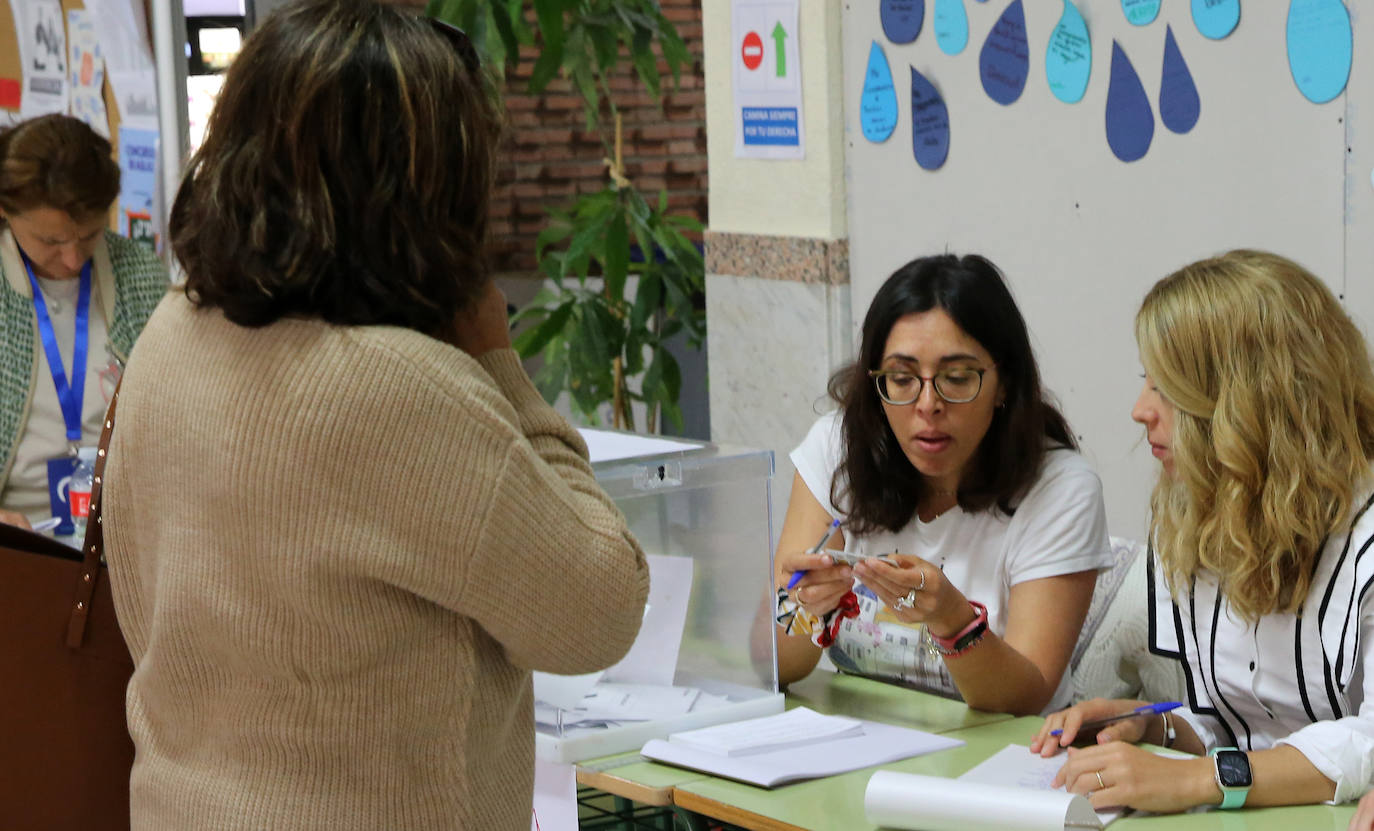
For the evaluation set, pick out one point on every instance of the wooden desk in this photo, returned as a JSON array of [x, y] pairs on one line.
[[836, 802]]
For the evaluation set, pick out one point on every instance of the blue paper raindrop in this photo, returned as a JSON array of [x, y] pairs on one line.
[[1140, 12], [1216, 18], [929, 123], [1004, 62], [902, 19], [1069, 57], [1130, 123], [1320, 47], [1179, 105], [951, 26], [878, 104]]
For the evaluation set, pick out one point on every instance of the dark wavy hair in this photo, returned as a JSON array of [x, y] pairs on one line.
[[346, 174], [56, 161], [878, 487]]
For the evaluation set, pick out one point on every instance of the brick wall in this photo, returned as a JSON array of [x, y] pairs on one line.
[[550, 157]]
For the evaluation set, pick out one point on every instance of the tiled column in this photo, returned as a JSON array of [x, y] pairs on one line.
[[779, 319]]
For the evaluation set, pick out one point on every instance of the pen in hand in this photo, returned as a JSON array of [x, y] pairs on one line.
[[815, 549], [1087, 731]]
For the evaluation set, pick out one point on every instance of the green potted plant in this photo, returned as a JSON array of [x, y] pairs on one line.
[[624, 275]]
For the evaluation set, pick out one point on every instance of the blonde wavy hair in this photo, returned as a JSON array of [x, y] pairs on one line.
[[1273, 431]]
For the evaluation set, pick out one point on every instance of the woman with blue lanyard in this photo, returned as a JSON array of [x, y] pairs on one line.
[[1258, 403], [73, 297]]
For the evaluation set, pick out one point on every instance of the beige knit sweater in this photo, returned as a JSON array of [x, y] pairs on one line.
[[336, 554]]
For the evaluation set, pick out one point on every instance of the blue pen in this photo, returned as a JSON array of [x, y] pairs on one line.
[[1147, 710], [815, 549]]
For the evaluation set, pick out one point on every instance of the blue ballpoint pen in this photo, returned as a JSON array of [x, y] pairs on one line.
[[1146, 710], [815, 549]]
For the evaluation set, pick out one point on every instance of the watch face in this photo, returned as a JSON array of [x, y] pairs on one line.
[[1233, 769]]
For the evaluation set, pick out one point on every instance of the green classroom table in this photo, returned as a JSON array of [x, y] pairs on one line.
[[836, 802]]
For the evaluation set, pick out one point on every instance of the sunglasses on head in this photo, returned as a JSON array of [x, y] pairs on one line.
[[460, 42]]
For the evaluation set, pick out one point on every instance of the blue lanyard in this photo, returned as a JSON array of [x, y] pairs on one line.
[[68, 395]]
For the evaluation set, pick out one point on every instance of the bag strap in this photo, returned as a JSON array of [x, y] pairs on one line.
[[93, 547]]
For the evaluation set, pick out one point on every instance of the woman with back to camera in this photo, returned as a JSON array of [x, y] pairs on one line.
[[1259, 404], [68, 288], [946, 456], [343, 527]]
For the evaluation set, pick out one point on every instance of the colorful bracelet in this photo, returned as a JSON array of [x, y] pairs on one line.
[[966, 638]]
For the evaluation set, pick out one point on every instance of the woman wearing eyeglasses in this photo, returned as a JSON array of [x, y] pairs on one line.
[[946, 458], [1258, 403], [343, 527]]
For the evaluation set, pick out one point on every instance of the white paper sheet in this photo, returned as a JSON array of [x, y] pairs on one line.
[[564, 691], [555, 797], [607, 445], [879, 744], [652, 658], [931, 803], [798, 727], [136, 97], [43, 52], [1015, 765]]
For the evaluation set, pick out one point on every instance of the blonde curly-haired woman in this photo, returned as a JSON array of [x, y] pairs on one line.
[[1259, 404]]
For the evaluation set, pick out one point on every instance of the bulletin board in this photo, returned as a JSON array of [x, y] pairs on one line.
[[1082, 235]]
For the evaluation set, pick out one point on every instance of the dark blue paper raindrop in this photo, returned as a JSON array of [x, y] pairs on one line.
[[1130, 123], [1004, 62], [902, 19], [1179, 105], [929, 123]]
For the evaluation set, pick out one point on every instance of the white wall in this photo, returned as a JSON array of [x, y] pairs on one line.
[[1082, 235]]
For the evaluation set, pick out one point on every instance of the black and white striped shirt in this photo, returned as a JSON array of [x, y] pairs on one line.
[[1302, 679]]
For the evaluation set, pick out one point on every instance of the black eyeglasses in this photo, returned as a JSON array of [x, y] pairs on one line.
[[461, 43], [899, 387]]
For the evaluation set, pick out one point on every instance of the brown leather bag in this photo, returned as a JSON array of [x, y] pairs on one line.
[[65, 752]]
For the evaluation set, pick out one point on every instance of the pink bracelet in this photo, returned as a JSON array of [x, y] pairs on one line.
[[967, 637]]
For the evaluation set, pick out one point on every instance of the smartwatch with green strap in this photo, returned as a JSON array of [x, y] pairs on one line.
[[1233, 775]]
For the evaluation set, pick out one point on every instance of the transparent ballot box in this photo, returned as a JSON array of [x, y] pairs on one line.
[[701, 513]]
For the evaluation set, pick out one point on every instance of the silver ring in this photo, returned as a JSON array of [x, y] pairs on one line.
[[1100, 783], [907, 600], [923, 580]]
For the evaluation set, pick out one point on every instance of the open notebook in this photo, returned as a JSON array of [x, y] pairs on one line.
[[797, 744]]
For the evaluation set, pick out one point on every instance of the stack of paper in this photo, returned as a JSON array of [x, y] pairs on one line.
[[797, 744]]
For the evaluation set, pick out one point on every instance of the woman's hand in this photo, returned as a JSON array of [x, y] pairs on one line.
[[15, 518], [916, 591], [1131, 730], [1118, 774], [484, 325], [823, 585]]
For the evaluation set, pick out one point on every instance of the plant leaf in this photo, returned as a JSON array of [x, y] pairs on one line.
[[533, 340]]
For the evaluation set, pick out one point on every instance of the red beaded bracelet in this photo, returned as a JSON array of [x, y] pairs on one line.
[[966, 638]]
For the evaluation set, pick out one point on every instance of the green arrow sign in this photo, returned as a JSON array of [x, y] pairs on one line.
[[779, 46]]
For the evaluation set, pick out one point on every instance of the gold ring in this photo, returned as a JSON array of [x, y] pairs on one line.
[[1100, 783]]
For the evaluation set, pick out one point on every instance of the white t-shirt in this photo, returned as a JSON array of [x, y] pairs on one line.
[[1060, 527]]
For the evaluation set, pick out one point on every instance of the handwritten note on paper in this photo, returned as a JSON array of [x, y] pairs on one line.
[[1216, 19], [1004, 62], [951, 26], [1320, 47], [929, 123], [1179, 104], [878, 104], [43, 52], [902, 19], [1069, 57], [1140, 12]]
